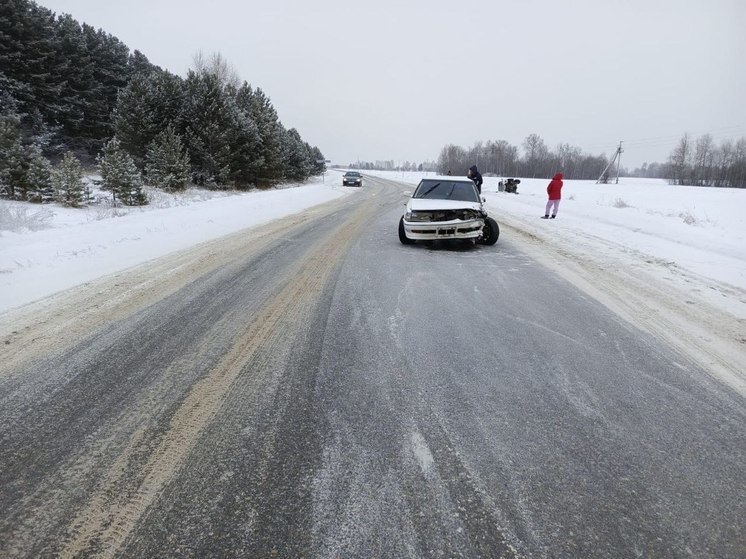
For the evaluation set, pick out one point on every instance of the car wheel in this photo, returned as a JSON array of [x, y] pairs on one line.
[[403, 234], [490, 231]]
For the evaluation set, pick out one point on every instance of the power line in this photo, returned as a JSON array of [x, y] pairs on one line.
[[724, 132]]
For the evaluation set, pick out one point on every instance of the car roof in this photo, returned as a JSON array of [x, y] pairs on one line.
[[450, 178]]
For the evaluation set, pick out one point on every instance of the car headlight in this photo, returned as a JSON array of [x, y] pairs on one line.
[[408, 215]]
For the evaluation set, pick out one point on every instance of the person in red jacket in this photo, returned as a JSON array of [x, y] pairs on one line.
[[554, 190]]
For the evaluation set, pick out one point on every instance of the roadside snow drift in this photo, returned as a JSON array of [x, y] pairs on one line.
[[46, 249]]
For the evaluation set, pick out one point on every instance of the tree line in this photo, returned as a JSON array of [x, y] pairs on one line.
[[534, 159], [701, 162], [391, 165], [70, 93], [697, 162]]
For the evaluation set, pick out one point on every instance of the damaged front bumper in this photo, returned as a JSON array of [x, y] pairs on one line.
[[434, 230]]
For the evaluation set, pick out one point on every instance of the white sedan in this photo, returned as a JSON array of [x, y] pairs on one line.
[[447, 208]]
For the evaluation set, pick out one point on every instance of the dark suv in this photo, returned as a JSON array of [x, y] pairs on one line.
[[352, 178]]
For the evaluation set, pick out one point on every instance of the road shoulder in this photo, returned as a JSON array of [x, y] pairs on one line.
[[643, 296]]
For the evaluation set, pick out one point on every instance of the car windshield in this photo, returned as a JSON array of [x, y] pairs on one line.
[[352, 174], [447, 190]]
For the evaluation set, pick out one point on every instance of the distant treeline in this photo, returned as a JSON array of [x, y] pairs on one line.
[[698, 163], [693, 162], [67, 87], [500, 158], [391, 165], [701, 162], [535, 160]]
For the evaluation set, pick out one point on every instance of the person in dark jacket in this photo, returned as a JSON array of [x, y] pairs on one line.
[[474, 175], [554, 191]]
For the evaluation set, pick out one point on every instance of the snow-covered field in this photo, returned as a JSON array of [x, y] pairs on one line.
[[49, 248]]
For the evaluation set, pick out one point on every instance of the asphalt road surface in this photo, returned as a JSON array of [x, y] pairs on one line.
[[316, 389]]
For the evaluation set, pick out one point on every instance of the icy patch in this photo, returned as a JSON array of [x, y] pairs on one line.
[[422, 452]]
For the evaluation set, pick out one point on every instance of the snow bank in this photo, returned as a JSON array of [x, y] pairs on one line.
[[45, 249]]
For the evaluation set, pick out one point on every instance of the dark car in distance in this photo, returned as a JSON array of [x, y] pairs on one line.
[[352, 178]]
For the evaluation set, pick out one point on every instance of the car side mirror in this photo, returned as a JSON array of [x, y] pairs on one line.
[[484, 199]]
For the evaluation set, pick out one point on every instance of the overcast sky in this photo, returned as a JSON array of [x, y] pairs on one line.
[[398, 79]]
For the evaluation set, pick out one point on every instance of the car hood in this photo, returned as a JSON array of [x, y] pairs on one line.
[[425, 204]]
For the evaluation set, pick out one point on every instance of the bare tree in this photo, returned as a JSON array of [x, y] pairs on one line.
[[704, 155], [507, 158], [500, 158], [724, 158], [476, 155], [739, 164], [567, 159], [680, 160], [535, 154], [454, 159], [218, 66]]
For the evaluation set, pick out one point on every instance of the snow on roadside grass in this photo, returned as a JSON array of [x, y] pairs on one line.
[[19, 217], [43, 254]]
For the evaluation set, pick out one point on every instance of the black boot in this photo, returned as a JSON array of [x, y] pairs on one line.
[[554, 216], [545, 217]]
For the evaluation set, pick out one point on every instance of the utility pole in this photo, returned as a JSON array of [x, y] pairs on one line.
[[619, 151], [618, 159]]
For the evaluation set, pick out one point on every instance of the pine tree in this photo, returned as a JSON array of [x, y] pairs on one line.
[[133, 120], [271, 133], [75, 68], [11, 155], [27, 56], [318, 163], [167, 163], [24, 171], [37, 131], [110, 59], [148, 104], [208, 122], [9, 92], [38, 180], [264, 115], [138, 63], [120, 175], [295, 157], [67, 178], [246, 144]]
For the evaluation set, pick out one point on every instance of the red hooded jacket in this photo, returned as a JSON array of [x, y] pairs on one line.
[[555, 187]]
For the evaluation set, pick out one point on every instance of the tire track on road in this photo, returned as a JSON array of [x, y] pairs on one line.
[[110, 517], [54, 323], [711, 338]]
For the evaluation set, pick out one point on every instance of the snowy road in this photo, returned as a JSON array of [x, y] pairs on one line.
[[313, 388]]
